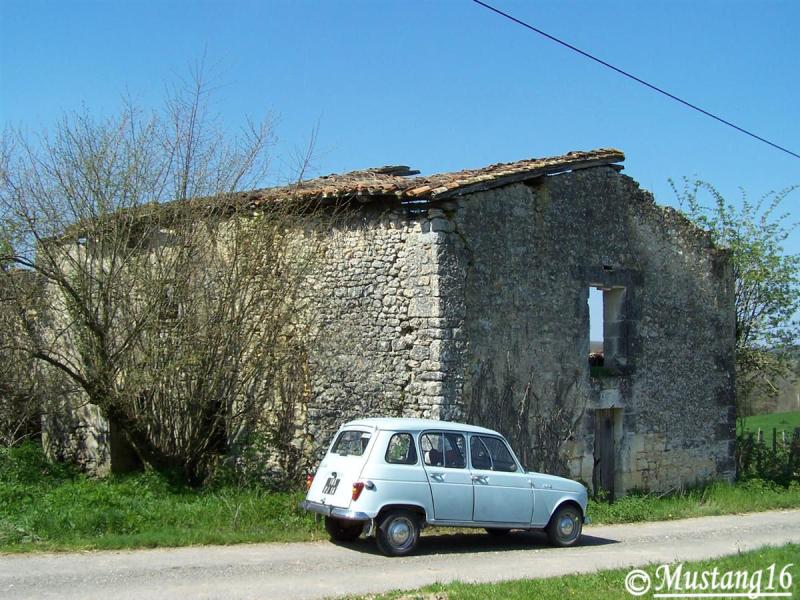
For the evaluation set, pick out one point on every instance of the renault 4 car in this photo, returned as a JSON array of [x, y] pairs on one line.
[[389, 478]]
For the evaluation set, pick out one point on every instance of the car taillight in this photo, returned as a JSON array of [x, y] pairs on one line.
[[309, 481], [358, 487]]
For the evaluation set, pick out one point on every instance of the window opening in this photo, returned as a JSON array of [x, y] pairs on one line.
[[607, 330]]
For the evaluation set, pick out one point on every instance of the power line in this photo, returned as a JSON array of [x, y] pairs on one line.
[[636, 79]]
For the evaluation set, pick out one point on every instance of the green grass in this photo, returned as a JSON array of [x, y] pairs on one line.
[[605, 585], [46, 506], [785, 421], [715, 499]]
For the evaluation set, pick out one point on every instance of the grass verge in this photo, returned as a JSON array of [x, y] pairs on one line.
[[714, 499], [46, 506], [609, 585], [50, 507]]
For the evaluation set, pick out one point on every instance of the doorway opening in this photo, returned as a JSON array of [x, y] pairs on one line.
[[607, 434]]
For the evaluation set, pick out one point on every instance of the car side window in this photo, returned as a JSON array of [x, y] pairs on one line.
[[431, 446], [401, 450], [501, 457], [479, 454], [455, 456], [446, 450]]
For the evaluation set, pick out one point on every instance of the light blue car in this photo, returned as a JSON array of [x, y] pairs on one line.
[[391, 477]]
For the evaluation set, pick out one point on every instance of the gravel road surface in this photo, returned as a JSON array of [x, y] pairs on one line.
[[323, 569]]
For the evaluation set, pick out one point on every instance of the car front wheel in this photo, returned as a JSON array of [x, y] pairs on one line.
[[565, 526], [342, 530], [398, 533]]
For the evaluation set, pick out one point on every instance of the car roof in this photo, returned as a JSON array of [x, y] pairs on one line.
[[408, 424]]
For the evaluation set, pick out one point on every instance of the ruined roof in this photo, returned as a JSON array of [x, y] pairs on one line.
[[399, 181]]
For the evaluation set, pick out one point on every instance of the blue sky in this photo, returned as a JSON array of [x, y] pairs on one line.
[[440, 85]]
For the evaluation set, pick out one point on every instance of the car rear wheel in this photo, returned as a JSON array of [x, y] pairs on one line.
[[565, 526], [496, 531], [398, 533], [342, 530]]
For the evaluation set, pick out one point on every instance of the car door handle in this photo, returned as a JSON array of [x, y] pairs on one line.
[[437, 476], [481, 478]]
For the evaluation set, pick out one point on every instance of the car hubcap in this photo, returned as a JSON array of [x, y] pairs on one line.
[[401, 533], [566, 527]]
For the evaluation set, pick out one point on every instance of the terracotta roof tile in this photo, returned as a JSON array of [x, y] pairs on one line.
[[400, 182]]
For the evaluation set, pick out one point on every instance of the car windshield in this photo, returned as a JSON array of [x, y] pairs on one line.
[[351, 443]]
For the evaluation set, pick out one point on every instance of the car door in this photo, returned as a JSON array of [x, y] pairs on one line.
[[341, 467], [503, 493], [444, 456]]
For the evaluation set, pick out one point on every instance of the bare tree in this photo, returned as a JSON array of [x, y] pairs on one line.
[[225, 354], [20, 388], [166, 298]]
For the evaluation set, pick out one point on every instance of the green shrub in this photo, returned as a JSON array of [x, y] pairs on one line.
[[27, 464], [774, 461]]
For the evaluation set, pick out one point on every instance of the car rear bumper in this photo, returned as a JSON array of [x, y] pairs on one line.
[[586, 520], [335, 511]]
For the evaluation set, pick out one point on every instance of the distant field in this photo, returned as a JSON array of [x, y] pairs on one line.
[[787, 421]]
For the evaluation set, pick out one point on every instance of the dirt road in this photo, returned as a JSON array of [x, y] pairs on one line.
[[321, 569]]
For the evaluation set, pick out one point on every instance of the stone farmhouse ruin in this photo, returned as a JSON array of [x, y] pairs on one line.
[[463, 296]]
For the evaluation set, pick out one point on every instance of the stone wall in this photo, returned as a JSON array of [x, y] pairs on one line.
[[388, 321], [530, 253], [76, 432], [384, 330]]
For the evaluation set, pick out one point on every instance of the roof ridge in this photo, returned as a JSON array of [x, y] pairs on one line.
[[399, 182]]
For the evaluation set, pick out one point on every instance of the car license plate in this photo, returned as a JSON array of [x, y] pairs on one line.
[[330, 485]]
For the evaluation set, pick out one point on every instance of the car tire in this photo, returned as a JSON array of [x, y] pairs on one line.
[[497, 531], [342, 530], [398, 533], [564, 528]]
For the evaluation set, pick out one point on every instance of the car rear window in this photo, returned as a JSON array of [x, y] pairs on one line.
[[351, 443]]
